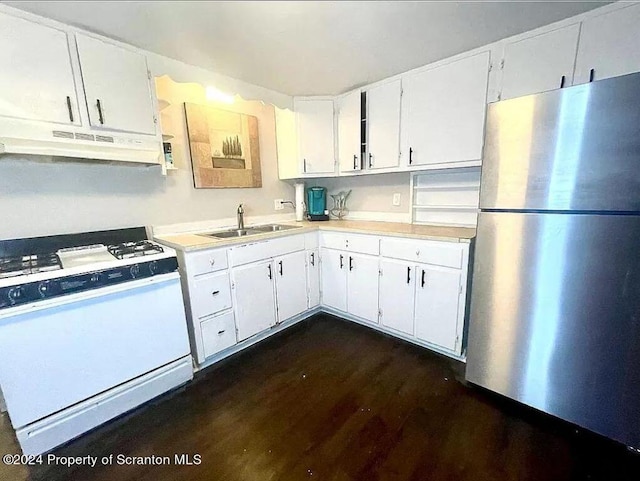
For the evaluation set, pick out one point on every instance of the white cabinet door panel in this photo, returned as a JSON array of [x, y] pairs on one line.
[[383, 125], [444, 112], [291, 285], [37, 77], [537, 64], [397, 294], [362, 286], [349, 139], [437, 306], [315, 135], [116, 78], [313, 278], [254, 298], [610, 45], [334, 278]]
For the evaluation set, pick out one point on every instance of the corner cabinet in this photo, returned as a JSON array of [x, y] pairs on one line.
[[315, 132], [117, 87], [443, 113], [349, 117]]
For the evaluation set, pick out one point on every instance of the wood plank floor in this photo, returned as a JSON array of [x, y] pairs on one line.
[[335, 401]]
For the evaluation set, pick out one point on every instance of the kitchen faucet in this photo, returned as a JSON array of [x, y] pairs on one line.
[[240, 217]]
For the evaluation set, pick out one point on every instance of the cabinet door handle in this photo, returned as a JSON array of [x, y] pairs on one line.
[[562, 80], [410, 155], [370, 160], [221, 332], [341, 261], [355, 162], [270, 273], [592, 74], [408, 275], [350, 263], [423, 275], [69, 108], [280, 266], [215, 293], [313, 259], [100, 115], [304, 161]]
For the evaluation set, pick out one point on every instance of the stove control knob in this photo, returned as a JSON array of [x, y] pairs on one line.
[[16, 294], [95, 278], [44, 288], [135, 270], [153, 267]]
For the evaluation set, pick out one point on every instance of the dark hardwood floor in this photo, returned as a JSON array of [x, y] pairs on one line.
[[335, 401]]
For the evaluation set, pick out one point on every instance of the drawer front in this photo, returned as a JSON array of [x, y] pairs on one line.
[[258, 251], [444, 254], [206, 261], [311, 241], [210, 294], [218, 333], [363, 244]]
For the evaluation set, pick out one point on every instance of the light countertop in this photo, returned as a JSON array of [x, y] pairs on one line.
[[192, 241]]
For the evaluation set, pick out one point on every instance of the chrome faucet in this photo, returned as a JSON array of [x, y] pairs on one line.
[[240, 217]]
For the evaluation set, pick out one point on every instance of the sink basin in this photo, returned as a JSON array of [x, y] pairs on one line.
[[275, 227], [234, 233]]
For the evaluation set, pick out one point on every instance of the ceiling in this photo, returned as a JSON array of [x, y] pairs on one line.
[[307, 48]]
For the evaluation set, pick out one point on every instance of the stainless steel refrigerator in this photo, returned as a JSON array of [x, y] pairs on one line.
[[555, 304]]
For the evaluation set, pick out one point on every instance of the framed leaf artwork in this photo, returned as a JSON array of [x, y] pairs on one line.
[[224, 146]]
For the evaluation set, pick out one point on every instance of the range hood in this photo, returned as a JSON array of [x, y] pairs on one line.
[[37, 139]]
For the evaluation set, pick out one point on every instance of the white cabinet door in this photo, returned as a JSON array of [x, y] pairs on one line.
[[437, 306], [313, 278], [334, 278], [397, 295], [383, 125], [315, 135], [362, 286], [116, 85], [610, 45], [349, 135], [443, 112], [36, 82], [254, 298], [291, 285], [539, 63]]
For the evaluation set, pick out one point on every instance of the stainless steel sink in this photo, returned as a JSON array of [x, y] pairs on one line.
[[275, 227], [234, 233]]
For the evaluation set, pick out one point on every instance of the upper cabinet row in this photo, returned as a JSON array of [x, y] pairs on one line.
[[434, 117], [44, 80]]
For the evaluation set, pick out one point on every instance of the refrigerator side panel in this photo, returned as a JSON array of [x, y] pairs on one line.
[[573, 149], [555, 316]]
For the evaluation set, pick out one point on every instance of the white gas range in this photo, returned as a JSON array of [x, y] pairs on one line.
[[91, 326]]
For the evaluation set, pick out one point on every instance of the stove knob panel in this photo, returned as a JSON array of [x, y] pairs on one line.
[[135, 270]]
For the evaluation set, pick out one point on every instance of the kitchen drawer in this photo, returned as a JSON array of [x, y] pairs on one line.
[[311, 241], [446, 254], [206, 261], [363, 244], [210, 294], [258, 251], [218, 333]]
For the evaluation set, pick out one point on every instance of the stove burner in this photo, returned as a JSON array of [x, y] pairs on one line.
[[134, 249], [20, 265]]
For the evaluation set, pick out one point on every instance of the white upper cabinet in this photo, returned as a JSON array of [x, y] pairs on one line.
[[349, 133], [315, 135], [117, 88], [443, 112], [540, 63], [383, 125], [609, 45], [36, 82]]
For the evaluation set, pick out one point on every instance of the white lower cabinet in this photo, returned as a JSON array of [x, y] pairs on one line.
[[313, 278], [291, 286], [254, 300], [334, 279], [438, 308], [362, 286], [218, 333], [397, 294]]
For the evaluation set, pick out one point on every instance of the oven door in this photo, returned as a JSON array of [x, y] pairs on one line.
[[58, 352]]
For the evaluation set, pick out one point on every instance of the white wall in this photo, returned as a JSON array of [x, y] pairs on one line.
[[40, 197]]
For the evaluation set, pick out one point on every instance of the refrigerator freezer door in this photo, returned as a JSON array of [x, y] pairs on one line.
[[573, 149], [555, 316]]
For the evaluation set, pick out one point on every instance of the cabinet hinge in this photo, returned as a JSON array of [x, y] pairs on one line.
[[380, 272], [379, 313], [461, 288], [155, 119], [501, 64], [149, 74], [456, 343]]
